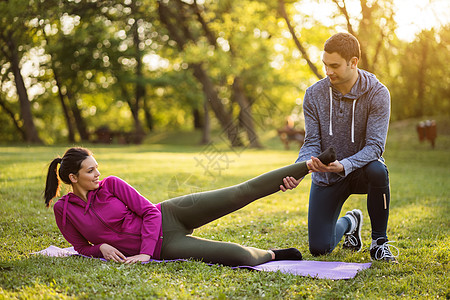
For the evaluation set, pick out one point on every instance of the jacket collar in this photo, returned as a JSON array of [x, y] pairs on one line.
[[71, 197]]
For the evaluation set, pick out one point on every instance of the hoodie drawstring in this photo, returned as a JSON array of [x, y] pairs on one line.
[[66, 202], [90, 196], [88, 204], [331, 111], [353, 121], [331, 116]]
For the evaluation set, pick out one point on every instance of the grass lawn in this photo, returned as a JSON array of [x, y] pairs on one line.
[[419, 223]]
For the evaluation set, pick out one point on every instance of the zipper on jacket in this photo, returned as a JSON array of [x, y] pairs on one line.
[[109, 227]]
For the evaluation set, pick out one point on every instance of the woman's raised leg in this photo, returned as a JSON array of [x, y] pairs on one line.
[[199, 209]]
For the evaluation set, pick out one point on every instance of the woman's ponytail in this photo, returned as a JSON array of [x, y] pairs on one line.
[[70, 164], [52, 185]]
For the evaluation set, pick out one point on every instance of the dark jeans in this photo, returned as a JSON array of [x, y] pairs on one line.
[[181, 215], [325, 204]]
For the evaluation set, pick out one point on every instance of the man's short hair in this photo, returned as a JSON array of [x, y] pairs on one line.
[[344, 44]]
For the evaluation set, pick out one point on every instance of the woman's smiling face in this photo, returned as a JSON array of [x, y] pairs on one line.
[[87, 178]]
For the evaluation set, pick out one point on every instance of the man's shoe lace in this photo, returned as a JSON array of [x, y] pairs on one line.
[[383, 252], [351, 241]]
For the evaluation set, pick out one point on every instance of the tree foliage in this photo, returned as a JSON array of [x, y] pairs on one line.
[[69, 68], [421, 86], [16, 38]]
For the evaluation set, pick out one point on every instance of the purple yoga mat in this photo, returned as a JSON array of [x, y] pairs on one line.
[[316, 269]]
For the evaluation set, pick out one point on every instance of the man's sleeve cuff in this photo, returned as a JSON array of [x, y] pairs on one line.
[[348, 168]]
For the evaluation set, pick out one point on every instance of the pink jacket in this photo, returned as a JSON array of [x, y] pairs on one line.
[[115, 214]]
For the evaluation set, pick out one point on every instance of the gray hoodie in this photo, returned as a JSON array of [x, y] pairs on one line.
[[355, 124]]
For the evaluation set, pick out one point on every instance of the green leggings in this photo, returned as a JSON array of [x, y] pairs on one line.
[[181, 215]]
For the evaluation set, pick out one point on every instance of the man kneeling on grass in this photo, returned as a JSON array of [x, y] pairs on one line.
[[350, 110]]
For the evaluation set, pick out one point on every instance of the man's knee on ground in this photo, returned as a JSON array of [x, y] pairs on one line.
[[317, 250]]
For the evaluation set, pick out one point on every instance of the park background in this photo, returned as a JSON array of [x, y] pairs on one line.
[[184, 96], [73, 70]]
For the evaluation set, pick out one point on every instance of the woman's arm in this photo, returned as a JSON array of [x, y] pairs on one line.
[[151, 216], [74, 237]]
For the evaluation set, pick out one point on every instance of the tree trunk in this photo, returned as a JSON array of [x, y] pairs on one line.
[[180, 33], [364, 62], [206, 131], [245, 115], [148, 115], [230, 128], [284, 14], [25, 106], [79, 121], [66, 111], [365, 33], [11, 115], [138, 133], [134, 111], [139, 94], [198, 120]]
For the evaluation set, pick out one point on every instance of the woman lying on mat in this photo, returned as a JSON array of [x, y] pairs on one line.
[[108, 218]]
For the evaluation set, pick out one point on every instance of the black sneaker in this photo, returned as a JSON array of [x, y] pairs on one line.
[[382, 251], [352, 239]]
